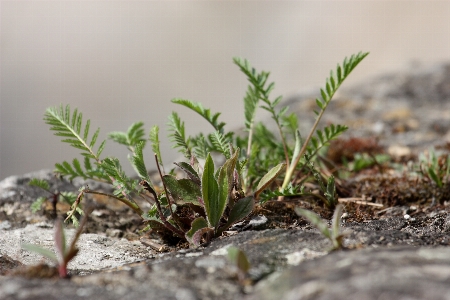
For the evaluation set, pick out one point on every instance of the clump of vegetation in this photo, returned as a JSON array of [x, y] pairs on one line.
[[210, 199]]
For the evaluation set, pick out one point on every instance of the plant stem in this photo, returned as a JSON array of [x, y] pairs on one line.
[[127, 202], [291, 169]]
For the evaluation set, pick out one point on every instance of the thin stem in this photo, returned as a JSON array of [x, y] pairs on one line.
[[164, 185], [291, 169], [169, 226], [127, 202]]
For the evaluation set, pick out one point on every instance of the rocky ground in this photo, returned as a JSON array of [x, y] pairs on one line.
[[396, 250]]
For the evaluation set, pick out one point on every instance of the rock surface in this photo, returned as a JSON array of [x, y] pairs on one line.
[[391, 258]]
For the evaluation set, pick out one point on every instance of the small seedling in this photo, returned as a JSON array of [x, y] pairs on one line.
[[334, 234], [239, 259], [64, 253], [435, 167]]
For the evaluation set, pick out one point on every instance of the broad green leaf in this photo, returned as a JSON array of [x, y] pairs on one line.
[[269, 178], [210, 193], [182, 190], [242, 208], [226, 175]]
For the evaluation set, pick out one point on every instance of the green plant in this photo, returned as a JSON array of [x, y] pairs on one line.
[[334, 234], [239, 259], [263, 150], [65, 253], [203, 204], [435, 167], [67, 197]]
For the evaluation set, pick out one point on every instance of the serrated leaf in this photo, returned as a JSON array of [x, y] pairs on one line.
[[269, 178]]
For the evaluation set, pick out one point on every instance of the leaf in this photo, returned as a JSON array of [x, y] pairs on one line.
[[238, 257], [182, 190], [336, 223], [154, 139], [205, 113], [189, 170], [44, 252], [241, 209], [61, 122], [269, 178], [315, 220], [60, 240], [210, 193], [36, 205], [43, 184], [178, 136], [137, 160], [197, 224]]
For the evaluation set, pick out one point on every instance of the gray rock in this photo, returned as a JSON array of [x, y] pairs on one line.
[[394, 273]]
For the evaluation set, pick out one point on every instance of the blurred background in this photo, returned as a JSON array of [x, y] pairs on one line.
[[123, 61]]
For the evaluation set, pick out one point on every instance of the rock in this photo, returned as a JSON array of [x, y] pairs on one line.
[[393, 273]]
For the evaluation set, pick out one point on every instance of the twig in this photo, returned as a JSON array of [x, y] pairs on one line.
[[358, 200]]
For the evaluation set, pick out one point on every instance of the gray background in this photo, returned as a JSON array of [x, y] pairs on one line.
[[122, 61]]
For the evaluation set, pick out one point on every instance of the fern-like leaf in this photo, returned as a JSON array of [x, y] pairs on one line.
[[324, 137], [137, 160], [221, 143], [154, 139], [335, 80], [40, 183], [69, 127], [200, 146], [205, 113], [122, 183], [178, 136], [134, 135]]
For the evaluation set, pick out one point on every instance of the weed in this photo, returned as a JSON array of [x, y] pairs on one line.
[[334, 234], [240, 261], [64, 253], [435, 167]]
